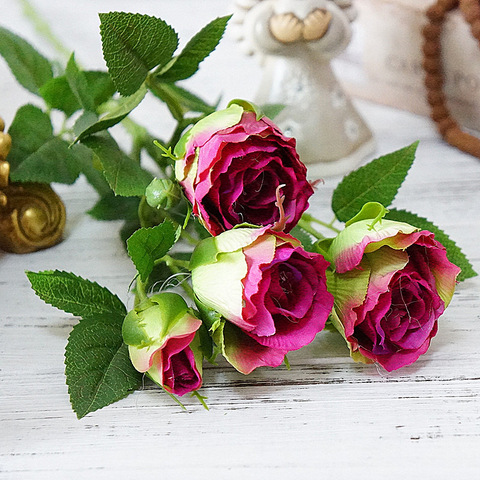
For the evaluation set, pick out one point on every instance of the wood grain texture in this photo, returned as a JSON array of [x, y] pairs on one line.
[[325, 418]]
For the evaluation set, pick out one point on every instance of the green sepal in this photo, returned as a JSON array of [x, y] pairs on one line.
[[247, 107], [370, 211]]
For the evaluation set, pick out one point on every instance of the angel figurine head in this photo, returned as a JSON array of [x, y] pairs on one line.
[[295, 41]]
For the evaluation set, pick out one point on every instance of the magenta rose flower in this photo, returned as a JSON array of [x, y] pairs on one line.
[[392, 282], [161, 337], [231, 164], [271, 292]]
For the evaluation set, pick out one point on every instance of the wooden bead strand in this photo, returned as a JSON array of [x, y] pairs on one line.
[[432, 65]]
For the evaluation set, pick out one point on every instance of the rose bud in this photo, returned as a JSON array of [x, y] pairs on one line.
[[163, 193], [160, 334], [230, 166], [392, 282], [267, 286]]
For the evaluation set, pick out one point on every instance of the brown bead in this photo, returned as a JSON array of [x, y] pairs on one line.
[[433, 81], [470, 13], [432, 65], [431, 48], [475, 28], [432, 31], [436, 97], [464, 141], [448, 5], [436, 13], [439, 112], [446, 124]]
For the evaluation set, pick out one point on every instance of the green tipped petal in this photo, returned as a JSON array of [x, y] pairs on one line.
[[212, 123], [219, 285]]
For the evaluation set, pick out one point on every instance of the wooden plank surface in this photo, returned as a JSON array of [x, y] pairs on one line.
[[327, 416]]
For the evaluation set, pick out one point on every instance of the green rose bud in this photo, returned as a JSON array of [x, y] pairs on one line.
[[160, 334], [163, 193]]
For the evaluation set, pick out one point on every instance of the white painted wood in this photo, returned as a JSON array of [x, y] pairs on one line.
[[325, 418]]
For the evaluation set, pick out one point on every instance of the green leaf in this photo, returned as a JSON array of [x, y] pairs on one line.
[[111, 207], [305, 238], [31, 69], [75, 295], [30, 129], [196, 50], [187, 100], [78, 84], [93, 173], [454, 253], [100, 85], [149, 244], [54, 161], [97, 365], [119, 111], [125, 176], [133, 44], [58, 94], [378, 181], [271, 110]]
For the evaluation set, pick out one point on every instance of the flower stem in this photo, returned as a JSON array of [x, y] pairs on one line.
[[201, 399], [140, 293], [178, 266], [310, 219], [43, 28], [308, 228]]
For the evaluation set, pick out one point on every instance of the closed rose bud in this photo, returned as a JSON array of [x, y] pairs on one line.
[[230, 166], [163, 193], [160, 334], [392, 282], [272, 293]]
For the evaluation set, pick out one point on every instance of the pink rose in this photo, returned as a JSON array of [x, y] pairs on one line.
[[160, 334], [272, 293], [231, 164], [391, 284]]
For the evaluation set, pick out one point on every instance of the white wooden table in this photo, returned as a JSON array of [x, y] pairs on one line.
[[325, 418]]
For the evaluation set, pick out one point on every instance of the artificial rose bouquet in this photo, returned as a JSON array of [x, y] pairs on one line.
[[259, 278], [388, 281]]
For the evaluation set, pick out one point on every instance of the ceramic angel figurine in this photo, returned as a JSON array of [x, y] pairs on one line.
[[295, 40]]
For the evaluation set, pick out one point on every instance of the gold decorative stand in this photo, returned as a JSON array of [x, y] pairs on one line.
[[32, 216]]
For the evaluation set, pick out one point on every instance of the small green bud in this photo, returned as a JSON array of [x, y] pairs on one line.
[[163, 193]]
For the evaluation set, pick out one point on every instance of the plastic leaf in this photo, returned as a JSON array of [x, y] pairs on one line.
[[378, 181], [149, 244], [133, 44], [31, 69]]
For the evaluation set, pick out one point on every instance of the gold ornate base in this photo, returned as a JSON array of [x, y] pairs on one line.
[[32, 216]]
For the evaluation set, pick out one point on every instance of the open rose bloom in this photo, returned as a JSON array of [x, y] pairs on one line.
[[230, 166], [271, 292], [392, 282], [161, 337]]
